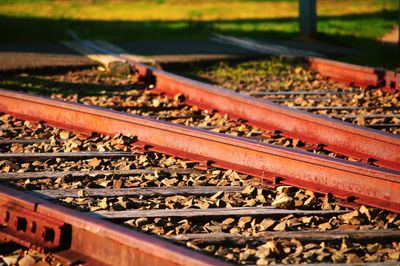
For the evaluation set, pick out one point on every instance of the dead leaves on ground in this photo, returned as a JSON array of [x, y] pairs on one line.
[[29, 257]]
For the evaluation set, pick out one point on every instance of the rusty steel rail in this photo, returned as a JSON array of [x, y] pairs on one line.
[[356, 75], [75, 238], [339, 136], [357, 182], [339, 71]]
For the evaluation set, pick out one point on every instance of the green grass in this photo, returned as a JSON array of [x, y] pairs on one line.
[[353, 23], [122, 20], [245, 72], [35, 84], [248, 75]]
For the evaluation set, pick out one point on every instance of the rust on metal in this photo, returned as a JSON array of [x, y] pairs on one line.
[[96, 242], [363, 143], [349, 180], [24, 226], [356, 75], [392, 80], [342, 137]]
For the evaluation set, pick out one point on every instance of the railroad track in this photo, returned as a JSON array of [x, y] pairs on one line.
[[226, 196], [229, 215], [235, 115], [145, 102], [298, 86]]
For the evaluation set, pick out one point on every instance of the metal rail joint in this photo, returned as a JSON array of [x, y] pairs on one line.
[[392, 80], [23, 225]]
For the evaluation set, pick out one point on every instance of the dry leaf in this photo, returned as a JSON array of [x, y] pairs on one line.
[[103, 204], [69, 200], [267, 249], [326, 203], [248, 190], [280, 227], [266, 224], [10, 260], [140, 221], [360, 120], [118, 183], [170, 182], [284, 189], [202, 204], [299, 248], [228, 221], [242, 128], [64, 135], [372, 248], [26, 261], [353, 258], [306, 220], [17, 148], [244, 255], [156, 103], [325, 226], [349, 227], [364, 210], [94, 162], [217, 195], [283, 201], [348, 216], [244, 220], [395, 256]]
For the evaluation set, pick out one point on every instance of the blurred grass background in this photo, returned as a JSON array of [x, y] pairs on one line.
[[351, 23]]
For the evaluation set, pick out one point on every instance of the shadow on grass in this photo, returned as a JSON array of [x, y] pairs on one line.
[[44, 29], [41, 86], [335, 30]]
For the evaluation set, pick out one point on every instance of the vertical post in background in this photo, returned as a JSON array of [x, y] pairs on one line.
[[308, 18]]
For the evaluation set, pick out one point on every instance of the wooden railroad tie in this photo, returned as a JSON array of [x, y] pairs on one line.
[[213, 212]]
